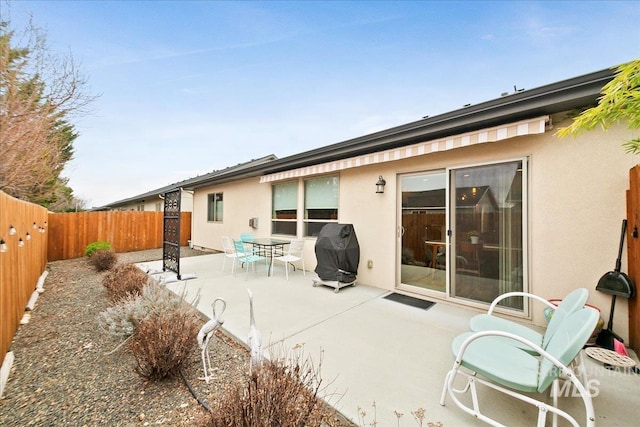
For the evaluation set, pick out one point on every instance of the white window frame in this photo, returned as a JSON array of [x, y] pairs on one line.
[[275, 221], [212, 207], [306, 222]]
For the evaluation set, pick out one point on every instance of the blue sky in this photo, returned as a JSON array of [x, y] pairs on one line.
[[191, 87]]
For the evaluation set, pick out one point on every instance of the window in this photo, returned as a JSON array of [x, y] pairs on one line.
[[320, 203], [159, 206], [214, 207], [284, 208]]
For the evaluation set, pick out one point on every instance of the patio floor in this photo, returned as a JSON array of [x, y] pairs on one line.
[[377, 350]]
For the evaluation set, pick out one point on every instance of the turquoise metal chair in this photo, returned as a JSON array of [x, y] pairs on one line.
[[489, 322], [496, 363], [245, 257], [247, 238]]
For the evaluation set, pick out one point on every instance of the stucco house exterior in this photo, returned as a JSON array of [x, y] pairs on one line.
[[547, 210]]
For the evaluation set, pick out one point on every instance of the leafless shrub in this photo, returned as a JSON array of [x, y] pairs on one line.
[[418, 417], [123, 281], [103, 260], [163, 342], [123, 318], [277, 393]]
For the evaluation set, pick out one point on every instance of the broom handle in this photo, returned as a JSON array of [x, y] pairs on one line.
[[613, 307], [619, 259]]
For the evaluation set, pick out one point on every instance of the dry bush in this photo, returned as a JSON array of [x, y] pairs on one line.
[[163, 342], [103, 260], [123, 281], [278, 393], [123, 318]]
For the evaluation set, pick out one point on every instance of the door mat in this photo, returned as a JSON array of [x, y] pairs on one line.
[[413, 302]]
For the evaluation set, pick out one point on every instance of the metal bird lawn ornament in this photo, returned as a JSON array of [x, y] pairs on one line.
[[205, 334], [254, 341]]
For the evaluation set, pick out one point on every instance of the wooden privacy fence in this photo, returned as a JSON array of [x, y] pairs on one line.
[[21, 264], [70, 233], [633, 254], [42, 236]]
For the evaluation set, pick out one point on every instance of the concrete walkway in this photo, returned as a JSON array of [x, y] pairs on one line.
[[374, 349]]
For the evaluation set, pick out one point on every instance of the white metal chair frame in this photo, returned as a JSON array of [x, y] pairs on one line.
[[570, 303], [505, 366], [294, 253], [229, 252]]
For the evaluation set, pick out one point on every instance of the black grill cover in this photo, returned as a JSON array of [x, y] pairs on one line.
[[337, 253]]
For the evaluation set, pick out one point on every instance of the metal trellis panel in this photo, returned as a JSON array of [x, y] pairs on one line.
[[171, 235]]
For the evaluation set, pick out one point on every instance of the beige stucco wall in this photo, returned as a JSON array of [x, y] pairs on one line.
[[576, 205], [242, 200]]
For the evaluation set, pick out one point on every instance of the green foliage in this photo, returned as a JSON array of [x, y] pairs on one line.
[[96, 246], [620, 102]]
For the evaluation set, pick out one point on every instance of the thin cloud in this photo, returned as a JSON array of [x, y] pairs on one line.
[[133, 58]]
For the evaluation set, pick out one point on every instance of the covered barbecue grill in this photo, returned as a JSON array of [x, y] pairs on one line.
[[337, 255]]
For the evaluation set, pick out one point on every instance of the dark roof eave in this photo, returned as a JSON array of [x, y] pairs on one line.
[[578, 92], [187, 184]]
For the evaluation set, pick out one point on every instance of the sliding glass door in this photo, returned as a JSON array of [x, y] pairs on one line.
[[423, 230], [487, 209], [466, 225]]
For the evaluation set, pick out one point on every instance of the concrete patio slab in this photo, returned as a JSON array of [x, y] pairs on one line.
[[374, 349]]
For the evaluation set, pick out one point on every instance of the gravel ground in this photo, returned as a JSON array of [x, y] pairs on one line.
[[66, 371]]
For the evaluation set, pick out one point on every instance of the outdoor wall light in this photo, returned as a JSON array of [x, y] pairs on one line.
[[3, 246], [41, 229], [20, 242], [380, 185], [12, 230], [28, 236], [35, 225]]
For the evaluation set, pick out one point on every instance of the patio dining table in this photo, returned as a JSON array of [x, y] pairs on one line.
[[268, 247]]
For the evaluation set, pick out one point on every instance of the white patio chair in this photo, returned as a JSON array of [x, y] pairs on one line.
[[229, 252], [294, 253], [498, 364]]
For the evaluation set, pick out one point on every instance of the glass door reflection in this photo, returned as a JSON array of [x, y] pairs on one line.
[[487, 238], [423, 225]]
